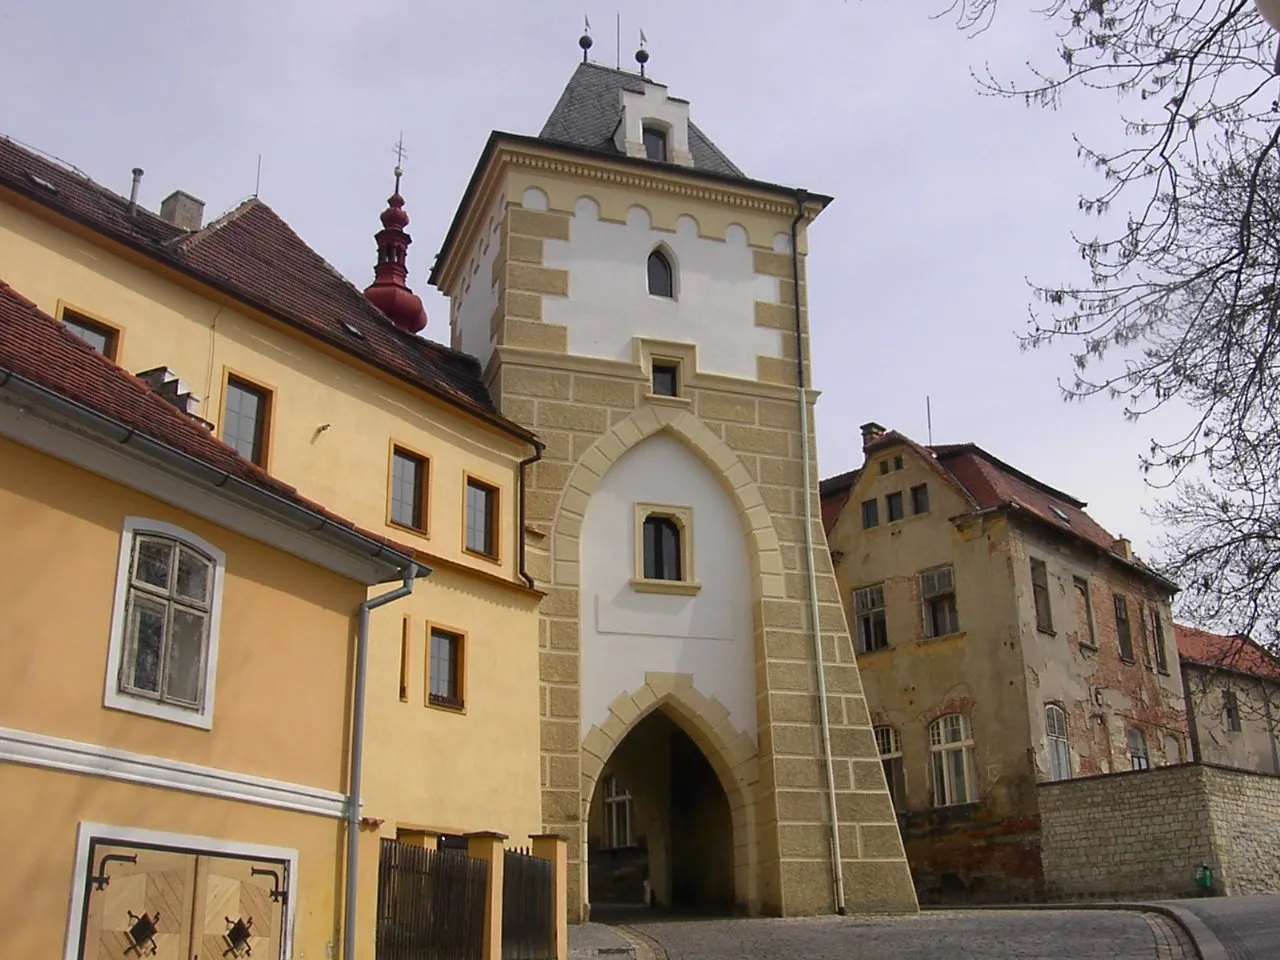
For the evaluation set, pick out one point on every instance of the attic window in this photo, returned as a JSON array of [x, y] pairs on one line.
[[352, 329], [41, 182], [655, 143], [1059, 514]]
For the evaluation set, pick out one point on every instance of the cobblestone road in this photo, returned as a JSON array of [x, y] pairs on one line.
[[993, 934]]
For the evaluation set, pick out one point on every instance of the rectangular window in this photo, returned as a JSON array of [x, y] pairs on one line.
[[889, 744], [444, 682], [920, 499], [617, 815], [884, 466], [244, 419], [408, 489], [655, 143], [662, 548], [868, 606], [104, 339], [1040, 594], [1084, 613], [953, 767], [1231, 711], [1123, 636], [1157, 639], [893, 506], [666, 380], [482, 516], [938, 589], [870, 514]]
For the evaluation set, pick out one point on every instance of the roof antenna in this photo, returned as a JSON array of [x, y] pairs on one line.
[[642, 55], [617, 42], [133, 190], [257, 181], [928, 415], [584, 41]]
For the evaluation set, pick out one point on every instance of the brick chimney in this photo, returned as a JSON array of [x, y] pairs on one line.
[[182, 210], [1122, 547], [871, 432]]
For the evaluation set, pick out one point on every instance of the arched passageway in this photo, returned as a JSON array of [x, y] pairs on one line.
[[660, 829]]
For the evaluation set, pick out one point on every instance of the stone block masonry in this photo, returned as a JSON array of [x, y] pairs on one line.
[[1142, 833]]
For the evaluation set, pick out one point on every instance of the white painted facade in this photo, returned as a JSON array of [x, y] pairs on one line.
[[609, 303], [479, 295], [626, 633]]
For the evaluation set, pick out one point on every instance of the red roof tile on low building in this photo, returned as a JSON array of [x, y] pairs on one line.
[[1214, 650], [36, 347], [253, 255]]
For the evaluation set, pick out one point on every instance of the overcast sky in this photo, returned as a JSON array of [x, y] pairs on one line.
[[946, 201]]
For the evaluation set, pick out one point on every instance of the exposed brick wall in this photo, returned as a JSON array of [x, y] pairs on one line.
[[967, 855], [1141, 834]]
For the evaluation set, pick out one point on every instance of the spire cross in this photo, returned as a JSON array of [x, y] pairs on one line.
[[400, 155]]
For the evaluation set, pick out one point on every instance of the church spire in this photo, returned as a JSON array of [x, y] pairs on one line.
[[389, 292]]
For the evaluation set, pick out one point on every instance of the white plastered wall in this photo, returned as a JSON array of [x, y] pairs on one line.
[[478, 296], [609, 302], [626, 633]]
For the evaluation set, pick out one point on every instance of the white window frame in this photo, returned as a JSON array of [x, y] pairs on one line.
[[927, 597], [113, 697], [865, 608], [1134, 737], [944, 793], [889, 746], [617, 803], [1058, 742]]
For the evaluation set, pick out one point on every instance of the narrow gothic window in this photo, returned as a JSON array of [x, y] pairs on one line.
[[661, 548], [661, 278]]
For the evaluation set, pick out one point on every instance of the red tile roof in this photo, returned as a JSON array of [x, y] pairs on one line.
[[254, 256], [1223, 652], [36, 347]]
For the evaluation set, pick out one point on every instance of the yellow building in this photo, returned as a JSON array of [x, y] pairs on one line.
[[1005, 639], [179, 631], [302, 374]]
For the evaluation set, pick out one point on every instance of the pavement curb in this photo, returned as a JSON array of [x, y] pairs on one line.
[[1206, 944]]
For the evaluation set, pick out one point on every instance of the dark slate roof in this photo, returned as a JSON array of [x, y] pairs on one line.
[[37, 348], [590, 108], [255, 256]]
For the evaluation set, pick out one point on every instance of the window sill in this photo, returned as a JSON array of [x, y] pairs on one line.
[[1090, 647], [685, 588], [487, 557], [415, 531], [1048, 633], [1129, 661], [663, 400], [868, 653], [945, 636], [448, 704], [201, 719]]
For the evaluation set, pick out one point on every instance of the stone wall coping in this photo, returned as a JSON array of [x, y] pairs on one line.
[[1200, 764]]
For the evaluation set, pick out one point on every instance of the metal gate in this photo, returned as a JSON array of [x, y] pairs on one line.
[[528, 892], [430, 904]]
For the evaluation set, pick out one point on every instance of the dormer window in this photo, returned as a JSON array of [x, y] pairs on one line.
[[655, 144], [661, 276]]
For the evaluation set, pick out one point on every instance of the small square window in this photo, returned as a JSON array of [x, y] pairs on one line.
[[884, 467], [104, 339], [655, 143], [409, 480], [870, 514], [444, 681], [245, 415], [920, 499], [482, 518], [666, 380], [897, 462], [893, 506]]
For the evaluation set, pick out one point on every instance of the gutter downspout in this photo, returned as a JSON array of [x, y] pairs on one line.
[[357, 755], [538, 448], [837, 862]]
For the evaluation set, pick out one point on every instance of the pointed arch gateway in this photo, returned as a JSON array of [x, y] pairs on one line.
[[730, 752]]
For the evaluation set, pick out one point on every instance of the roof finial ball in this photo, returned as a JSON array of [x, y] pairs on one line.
[[642, 55], [584, 41]]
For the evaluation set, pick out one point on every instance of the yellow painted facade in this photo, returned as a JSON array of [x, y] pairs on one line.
[[334, 423], [282, 682]]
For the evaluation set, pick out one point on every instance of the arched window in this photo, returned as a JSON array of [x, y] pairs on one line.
[[952, 765], [661, 276], [1055, 725], [1139, 759], [661, 548]]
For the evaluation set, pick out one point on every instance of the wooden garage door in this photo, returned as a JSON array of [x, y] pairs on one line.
[[181, 905]]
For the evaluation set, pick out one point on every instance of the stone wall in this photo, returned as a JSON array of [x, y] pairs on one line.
[[1142, 833]]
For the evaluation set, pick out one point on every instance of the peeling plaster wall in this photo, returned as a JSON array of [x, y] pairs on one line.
[[1253, 746]]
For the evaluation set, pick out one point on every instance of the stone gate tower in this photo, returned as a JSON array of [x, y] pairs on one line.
[[632, 297]]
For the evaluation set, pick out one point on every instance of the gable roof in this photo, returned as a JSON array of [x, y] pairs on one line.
[[255, 257], [37, 349], [590, 109], [988, 483], [1217, 651]]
